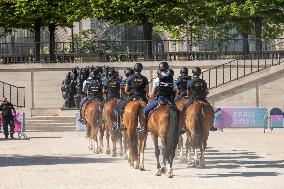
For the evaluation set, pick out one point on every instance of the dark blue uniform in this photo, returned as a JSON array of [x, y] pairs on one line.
[[181, 83], [197, 88]]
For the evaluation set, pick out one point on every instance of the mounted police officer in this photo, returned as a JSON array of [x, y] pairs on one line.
[[165, 88], [181, 83], [136, 87], [92, 88], [111, 87], [197, 90]]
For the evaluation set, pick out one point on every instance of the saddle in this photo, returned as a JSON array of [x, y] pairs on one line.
[[162, 103]]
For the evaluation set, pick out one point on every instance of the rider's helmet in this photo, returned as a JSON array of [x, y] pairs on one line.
[[163, 66], [196, 71], [138, 67], [184, 71], [93, 75]]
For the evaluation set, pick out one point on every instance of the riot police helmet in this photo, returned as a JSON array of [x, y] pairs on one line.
[[184, 71], [163, 66], [196, 71], [138, 67]]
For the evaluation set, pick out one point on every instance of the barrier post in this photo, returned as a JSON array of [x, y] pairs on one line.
[[23, 127]]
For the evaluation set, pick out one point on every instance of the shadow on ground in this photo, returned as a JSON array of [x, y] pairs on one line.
[[19, 160]]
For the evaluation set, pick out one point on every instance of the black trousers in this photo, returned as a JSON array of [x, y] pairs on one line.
[[7, 122]]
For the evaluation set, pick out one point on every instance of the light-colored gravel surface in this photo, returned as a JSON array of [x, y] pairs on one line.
[[239, 158]]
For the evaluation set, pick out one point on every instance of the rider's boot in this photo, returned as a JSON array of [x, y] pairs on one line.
[[143, 129]]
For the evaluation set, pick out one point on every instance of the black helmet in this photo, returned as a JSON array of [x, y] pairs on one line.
[[183, 71], [138, 67], [93, 75], [163, 66], [196, 71]]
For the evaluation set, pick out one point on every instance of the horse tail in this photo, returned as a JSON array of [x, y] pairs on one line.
[[197, 124], [173, 135]]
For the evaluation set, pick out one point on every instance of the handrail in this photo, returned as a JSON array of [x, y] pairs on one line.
[[14, 94]]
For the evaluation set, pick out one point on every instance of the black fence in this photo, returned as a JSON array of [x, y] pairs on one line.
[[137, 50], [240, 68], [14, 94]]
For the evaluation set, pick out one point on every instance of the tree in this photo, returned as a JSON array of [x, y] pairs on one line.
[[35, 14]]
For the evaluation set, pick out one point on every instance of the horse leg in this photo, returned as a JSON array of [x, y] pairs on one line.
[[101, 139], [170, 166], [107, 137], [142, 144], [157, 154], [163, 145], [95, 140], [124, 135], [90, 147], [196, 160], [120, 144], [181, 149], [113, 139], [202, 152]]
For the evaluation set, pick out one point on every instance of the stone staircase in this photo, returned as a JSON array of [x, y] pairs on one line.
[[50, 124]]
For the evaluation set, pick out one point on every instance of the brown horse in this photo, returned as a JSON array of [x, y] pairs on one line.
[[93, 127], [133, 114], [199, 119], [180, 105], [165, 123], [108, 119]]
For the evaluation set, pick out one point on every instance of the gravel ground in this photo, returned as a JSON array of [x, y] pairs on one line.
[[238, 158]]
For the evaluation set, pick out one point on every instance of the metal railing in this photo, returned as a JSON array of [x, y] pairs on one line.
[[239, 68], [136, 50], [14, 94]]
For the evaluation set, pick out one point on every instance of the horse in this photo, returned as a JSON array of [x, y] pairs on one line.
[[165, 123], [108, 120], [199, 119], [93, 127], [133, 114], [180, 105]]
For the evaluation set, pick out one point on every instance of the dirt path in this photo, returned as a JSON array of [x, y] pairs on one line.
[[236, 159]]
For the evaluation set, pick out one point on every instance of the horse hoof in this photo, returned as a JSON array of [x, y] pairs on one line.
[[113, 155], [108, 152], [101, 150], [171, 175], [141, 168], [96, 151], [163, 170], [158, 173]]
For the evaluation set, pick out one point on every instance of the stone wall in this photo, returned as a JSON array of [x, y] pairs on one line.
[[42, 84]]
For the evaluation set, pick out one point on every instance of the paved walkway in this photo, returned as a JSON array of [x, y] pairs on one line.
[[239, 158]]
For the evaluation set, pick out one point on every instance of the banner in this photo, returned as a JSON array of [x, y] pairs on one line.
[[79, 126], [276, 118], [241, 118], [17, 122]]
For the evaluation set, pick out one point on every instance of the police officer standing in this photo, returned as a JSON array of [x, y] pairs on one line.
[[7, 117]]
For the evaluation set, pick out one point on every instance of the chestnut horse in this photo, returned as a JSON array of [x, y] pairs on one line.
[[199, 120], [180, 105], [93, 127], [108, 120], [165, 122], [133, 114]]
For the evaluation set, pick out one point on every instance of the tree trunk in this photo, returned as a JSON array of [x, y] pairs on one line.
[[148, 37], [258, 30], [52, 57], [245, 44], [37, 27]]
